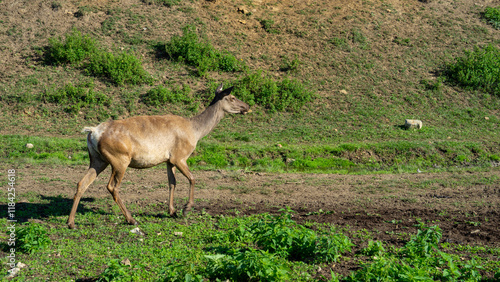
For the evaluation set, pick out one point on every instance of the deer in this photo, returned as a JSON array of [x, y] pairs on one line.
[[146, 141]]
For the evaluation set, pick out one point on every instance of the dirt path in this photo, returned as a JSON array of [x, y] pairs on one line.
[[466, 205]]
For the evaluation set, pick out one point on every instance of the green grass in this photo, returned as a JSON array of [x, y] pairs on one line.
[[162, 96], [477, 69], [492, 16], [74, 98], [122, 68], [201, 54], [201, 246], [82, 51], [73, 50], [395, 156], [282, 95], [419, 260]]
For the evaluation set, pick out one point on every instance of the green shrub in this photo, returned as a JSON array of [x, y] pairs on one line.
[[73, 50], [477, 69], [246, 265], [116, 271], [189, 49], [281, 235], [178, 272], [260, 88], [160, 95], [119, 69], [492, 16], [32, 237], [419, 260], [73, 98]]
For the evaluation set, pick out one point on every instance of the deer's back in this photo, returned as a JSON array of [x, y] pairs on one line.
[[145, 140]]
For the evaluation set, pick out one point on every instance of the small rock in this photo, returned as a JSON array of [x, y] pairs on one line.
[[178, 233], [13, 272], [486, 118], [136, 231], [343, 91], [279, 145], [243, 10], [413, 123], [29, 146], [126, 262], [475, 231]]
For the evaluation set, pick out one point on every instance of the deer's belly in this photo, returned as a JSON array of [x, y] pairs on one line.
[[147, 161]]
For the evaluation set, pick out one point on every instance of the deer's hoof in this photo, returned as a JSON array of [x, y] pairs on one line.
[[132, 222], [173, 213], [186, 209]]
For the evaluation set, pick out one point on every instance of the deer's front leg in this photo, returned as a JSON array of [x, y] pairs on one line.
[[171, 187]]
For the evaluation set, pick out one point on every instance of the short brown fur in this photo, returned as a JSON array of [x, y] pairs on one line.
[[146, 141]]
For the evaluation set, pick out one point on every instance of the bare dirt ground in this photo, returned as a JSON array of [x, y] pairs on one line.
[[465, 205], [384, 207]]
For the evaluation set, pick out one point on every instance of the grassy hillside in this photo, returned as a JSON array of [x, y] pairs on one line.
[[330, 82]]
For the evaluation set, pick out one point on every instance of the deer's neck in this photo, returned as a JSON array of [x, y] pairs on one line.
[[205, 122]]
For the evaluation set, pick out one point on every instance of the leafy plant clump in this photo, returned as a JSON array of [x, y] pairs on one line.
[[117, 271], [160, 95], [419, 260], [260, 88], [32, 237], [73, 50], [189, 49], [81, 51], [477, 69], [492, 16], [282, 236], [119, 69], [75, 97], [246, 265]]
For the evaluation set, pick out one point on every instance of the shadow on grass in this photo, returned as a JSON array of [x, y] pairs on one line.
[[56, 206]]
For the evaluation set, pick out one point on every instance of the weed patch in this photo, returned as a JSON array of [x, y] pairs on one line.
[[73, 98], [159, 96], [246, 265], [73, 50], [259, 88], [32, 237], [124, 68], [477, 69], [492, 16], [191, 50], [420, 259], [81, 51], [282, 236]]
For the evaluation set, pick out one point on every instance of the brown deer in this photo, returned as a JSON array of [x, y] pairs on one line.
[[146, 141]]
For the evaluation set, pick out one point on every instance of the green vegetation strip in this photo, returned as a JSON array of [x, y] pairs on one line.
[[342, 158], [477, 69], [197, 247], [82, 51]]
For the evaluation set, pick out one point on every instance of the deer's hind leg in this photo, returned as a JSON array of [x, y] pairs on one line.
[[97, 165]]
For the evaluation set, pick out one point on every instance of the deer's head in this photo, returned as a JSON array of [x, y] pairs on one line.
[[229, 103]]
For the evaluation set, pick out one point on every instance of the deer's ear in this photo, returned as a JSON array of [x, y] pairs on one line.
[[226, 91], [219, 89]]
